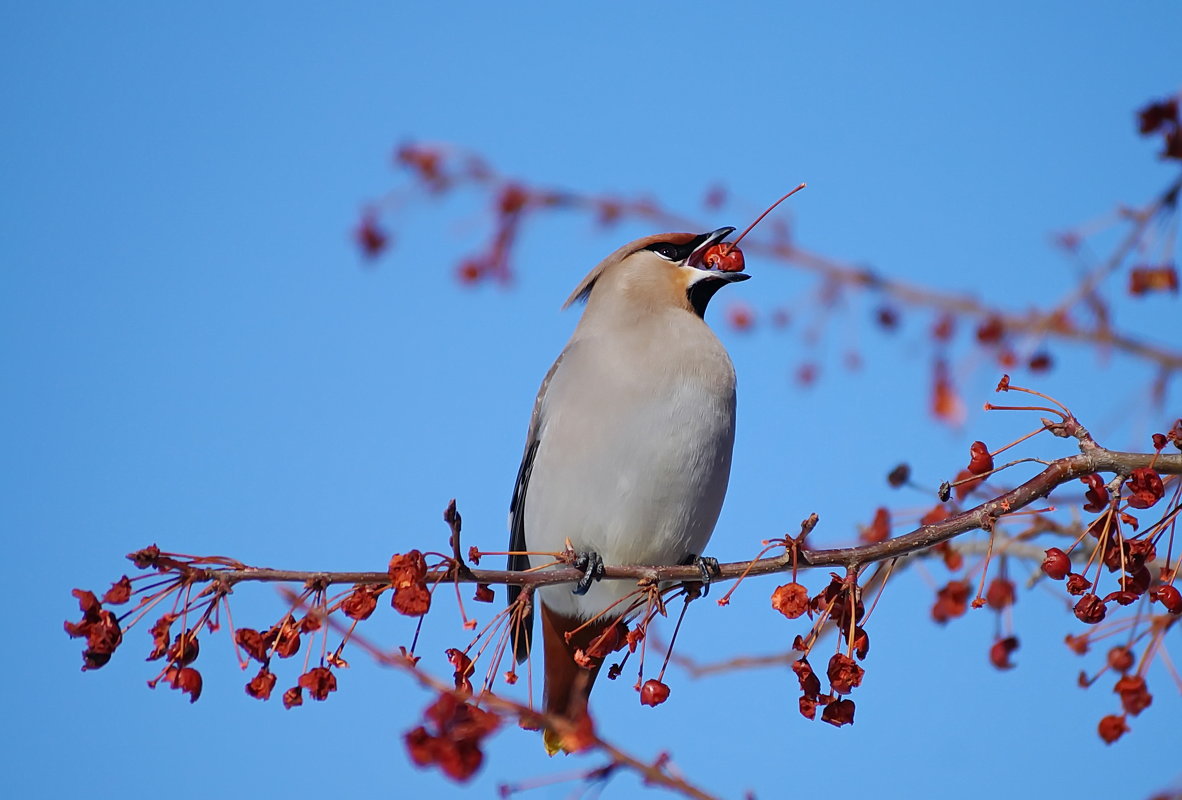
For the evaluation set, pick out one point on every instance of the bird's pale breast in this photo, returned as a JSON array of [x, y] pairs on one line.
[[634, 456]]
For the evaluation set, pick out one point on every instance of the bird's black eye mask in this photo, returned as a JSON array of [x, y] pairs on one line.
[[677, 253]]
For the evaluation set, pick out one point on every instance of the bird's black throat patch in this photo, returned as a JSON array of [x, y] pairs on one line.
[[700, 292]]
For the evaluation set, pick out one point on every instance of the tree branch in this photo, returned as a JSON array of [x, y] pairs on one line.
[[983, 516]]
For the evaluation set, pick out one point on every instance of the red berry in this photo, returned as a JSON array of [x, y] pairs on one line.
[[653, 693], [1170, 597], [724, 257], [1057, 564]]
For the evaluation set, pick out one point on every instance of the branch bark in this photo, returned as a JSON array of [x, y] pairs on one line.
[[981, 517]]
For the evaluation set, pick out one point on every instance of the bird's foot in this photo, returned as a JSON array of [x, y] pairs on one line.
[[592, 566], [709, 569]]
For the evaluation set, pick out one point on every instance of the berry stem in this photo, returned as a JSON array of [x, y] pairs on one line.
[[759, 219]]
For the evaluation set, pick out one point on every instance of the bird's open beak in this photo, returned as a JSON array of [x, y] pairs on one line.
[[702, 244]]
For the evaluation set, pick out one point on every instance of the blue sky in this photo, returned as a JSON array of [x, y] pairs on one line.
[[195, 355]]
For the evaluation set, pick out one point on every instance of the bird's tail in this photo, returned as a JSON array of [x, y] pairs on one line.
[[567, 684]]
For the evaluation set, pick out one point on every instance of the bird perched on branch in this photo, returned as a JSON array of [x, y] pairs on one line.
[[629, 446]]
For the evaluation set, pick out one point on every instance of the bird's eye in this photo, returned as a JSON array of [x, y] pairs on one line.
[[665, 250]]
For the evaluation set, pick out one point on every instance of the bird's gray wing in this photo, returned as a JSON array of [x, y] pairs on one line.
[[523, 634]]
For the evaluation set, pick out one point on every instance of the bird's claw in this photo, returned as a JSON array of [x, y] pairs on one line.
[[592, 566], [709, 569]]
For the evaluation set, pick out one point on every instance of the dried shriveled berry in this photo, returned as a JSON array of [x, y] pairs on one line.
[[810, 684], [899, 476], [1000, 594], [361, 603], [1097, 494], [953, 559], [980, 461], [293, 697], [791, 600], [1161, 114], [946, 403], [965, 482], [1040, 362], [991, 331], [844, 673], [1000, 652], [1175, 433], [1115, 553], [146, 558], [861, 643], [1112, 727], [463, 667], [186, 679], [370, 237], [951, 601], [944, 328], [260, 685], [887, 317], [161, 636], [879, 529], [408, 577], [119, 593], [741, 317], [613, 638], [413, 600], [453, 744], [319, 681], [1077, 584], [512, 199], [185, 649], [100, 628], [1150, 278], [1122, 598], [1137, 581], [312, 621], [1145, 488], [934, 515], [1090, 609], [1134, 694], [284, 638], [254, 643], [839, 712], [1120, 658], [1140, 552]]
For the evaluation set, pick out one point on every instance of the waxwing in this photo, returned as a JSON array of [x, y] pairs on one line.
[[629, 446]]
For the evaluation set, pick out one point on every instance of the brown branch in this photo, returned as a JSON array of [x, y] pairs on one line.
[[1051, 324], [451, 170], [983, 516]]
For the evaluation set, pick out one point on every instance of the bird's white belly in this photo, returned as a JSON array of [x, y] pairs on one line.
[[645, 488]]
